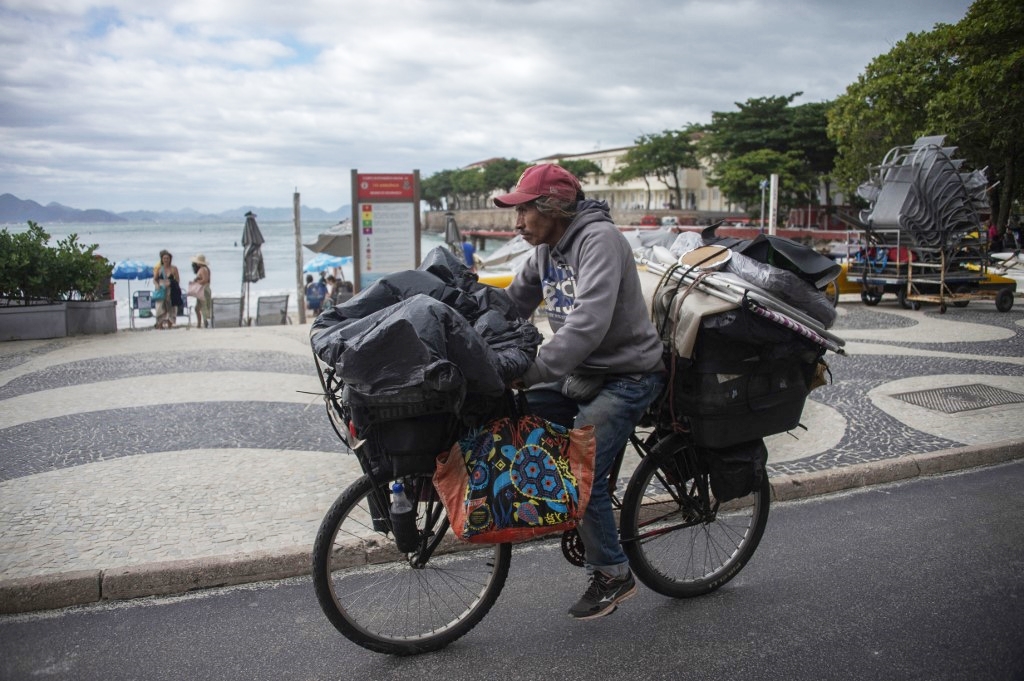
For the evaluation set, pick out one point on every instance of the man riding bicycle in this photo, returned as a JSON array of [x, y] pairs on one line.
[[603, 366]]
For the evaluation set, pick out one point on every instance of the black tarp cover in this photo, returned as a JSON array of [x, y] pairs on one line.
[[435, 327], [811, 266]]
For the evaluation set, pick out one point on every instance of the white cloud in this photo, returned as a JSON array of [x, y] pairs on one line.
[[212, 104]]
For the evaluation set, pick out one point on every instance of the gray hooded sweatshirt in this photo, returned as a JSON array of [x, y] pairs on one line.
[[594, 302]]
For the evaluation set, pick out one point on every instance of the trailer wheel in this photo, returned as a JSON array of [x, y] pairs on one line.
[[871, 296], [901, 297], [915, 305], [961, 290], [1004, 300], [942, 308]]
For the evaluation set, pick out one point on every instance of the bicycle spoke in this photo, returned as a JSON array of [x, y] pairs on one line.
[[680, 545], [391, 602]]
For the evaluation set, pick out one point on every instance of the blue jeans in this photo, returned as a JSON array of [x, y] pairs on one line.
[[614, 413]]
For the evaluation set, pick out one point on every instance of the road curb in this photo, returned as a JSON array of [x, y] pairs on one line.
[[63, 589], [59, 590], [803, 485]]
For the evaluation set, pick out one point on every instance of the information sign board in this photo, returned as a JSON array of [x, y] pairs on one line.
[[386, 225]]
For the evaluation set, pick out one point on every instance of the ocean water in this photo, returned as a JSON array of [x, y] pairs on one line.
[[220, 242]]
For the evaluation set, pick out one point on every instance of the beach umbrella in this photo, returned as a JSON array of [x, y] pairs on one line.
[[335, 241], [323, 261], [131, 269], [252, 258], [452, 235]]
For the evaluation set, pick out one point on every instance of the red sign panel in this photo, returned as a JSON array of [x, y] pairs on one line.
[[393, 186]]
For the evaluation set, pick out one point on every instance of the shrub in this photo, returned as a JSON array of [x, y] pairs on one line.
[[33, 272]]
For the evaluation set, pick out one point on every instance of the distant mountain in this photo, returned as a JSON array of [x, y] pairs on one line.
[[185, 215], [13, 209], [285, 214]]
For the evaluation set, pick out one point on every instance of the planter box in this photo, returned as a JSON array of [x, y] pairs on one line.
[[33, 322], [86, 317]]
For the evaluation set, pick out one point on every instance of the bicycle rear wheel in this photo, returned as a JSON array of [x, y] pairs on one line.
[[397, 603], [677, 544]]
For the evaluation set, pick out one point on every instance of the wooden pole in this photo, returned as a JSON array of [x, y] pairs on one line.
[[301, 299]]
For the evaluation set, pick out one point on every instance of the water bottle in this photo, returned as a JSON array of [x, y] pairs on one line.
[[403, 519]]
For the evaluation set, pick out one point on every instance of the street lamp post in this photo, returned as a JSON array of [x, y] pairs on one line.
[[764, 185]]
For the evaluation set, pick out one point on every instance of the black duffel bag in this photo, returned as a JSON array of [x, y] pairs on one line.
[[748, 379], [404, 431], [736, 471]]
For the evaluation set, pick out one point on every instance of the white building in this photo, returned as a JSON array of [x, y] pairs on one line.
[[632, 195]]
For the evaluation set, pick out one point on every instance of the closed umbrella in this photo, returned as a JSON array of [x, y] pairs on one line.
[[252, 258], [335, 241], [452, 235]]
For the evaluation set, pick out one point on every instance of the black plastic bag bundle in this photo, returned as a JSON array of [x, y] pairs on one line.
[[390, 335]]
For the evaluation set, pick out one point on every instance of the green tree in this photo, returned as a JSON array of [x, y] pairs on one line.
[[664, 156], [809, 123], [636, 164], [965, 81], [982, 106], [503, 173], [436, 190], [742, 177], [758, 123], [468, 187], [581, 168], [887, 106], [767, 135]]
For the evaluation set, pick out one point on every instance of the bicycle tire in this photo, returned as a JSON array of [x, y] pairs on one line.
[[674, 551], [379, 600]]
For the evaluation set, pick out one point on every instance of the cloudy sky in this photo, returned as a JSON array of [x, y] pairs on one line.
[[214, 104]]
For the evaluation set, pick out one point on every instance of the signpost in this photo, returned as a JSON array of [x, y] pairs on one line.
[[385, 225]]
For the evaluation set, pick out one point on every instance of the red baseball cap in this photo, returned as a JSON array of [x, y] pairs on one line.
[[546, 179]]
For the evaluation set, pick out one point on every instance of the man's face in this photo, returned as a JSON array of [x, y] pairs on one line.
[[536, 227]]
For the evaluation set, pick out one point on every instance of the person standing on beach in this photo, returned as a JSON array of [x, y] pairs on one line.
[[315, 294], [204, 301], [165, 280], [469, 253], [603, 365]]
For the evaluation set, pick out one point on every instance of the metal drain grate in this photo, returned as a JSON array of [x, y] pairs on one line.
[[959, 398]]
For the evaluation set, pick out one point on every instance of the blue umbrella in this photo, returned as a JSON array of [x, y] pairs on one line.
[[131, 269], [322, 261]]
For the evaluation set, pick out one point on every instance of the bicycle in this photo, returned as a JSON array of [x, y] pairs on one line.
[[680, 540]]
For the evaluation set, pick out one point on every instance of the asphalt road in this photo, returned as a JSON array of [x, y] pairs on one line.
[[916, 580]]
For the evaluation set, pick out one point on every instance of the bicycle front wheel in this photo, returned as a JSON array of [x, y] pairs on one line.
[[676, 543], [392, 602]]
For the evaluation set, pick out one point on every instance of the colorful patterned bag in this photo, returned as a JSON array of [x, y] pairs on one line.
[[516, 478]]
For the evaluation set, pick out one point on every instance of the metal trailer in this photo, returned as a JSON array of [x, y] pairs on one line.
[[921, 238], [886, 266]]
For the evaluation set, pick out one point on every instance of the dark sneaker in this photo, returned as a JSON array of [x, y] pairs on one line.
[[602, 596]]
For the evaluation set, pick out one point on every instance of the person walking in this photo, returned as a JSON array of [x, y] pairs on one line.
[[166, 281], [603, 365], [200, 285]]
